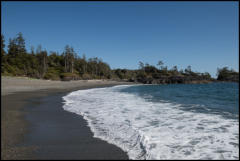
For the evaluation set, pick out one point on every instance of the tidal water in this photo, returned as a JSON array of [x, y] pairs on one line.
[[176, 121]]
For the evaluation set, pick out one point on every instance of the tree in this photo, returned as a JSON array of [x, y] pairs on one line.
[[20, 44], [175, 68], [3, 54], [44, 59], [160, 64], [43, 63], [84, 63], [12, 48], [206, 75], [181, 71], [2, 46], [224, 74], [39, 49], [17, 55], [141, 65], [69, 58], [119, 73], [188, 70], [150, 69], [165, 69], [32, 50], [147, 65], [95, 63], [72, 55]]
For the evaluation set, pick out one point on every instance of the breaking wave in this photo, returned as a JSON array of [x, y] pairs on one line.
[[154, 130]]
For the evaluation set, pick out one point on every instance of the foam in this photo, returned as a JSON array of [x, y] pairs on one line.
[[154, 130]]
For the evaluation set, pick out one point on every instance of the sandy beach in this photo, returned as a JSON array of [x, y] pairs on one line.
[[34, 126]]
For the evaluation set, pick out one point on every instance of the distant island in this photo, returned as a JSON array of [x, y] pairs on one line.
[[69, 66]]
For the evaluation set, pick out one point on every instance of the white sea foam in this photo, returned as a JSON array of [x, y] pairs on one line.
[[153, 130]]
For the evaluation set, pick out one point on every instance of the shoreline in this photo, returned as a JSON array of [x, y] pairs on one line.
[[11, 85], [20, 127]]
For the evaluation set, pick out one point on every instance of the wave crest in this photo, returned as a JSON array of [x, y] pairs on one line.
[[154, 130]]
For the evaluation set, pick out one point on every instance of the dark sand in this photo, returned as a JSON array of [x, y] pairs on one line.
[[35, 126]]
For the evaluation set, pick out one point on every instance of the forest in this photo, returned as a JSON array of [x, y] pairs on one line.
[[68, 65]]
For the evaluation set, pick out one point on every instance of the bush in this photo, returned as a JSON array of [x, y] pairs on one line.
[[10, 70], [51, 76], [69, 76], [86, 76]]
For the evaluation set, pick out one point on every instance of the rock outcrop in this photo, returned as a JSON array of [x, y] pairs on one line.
[[171, 80]]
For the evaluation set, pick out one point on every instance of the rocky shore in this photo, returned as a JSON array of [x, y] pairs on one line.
[[172, 80]]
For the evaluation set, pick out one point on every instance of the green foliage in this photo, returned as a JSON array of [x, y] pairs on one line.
[[86, 76], [141, 65], [3, 54], [9, 70], [40, 64], [150, 69], [123, 74], [69, 76], [224, 74], [120, 73], [160, 64], [141, 75], [2, 46], [188, 70], [51, 76], [69, 66]]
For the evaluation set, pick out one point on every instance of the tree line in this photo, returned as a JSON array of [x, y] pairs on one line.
[[49, 65], [225, 74], [69, 65]]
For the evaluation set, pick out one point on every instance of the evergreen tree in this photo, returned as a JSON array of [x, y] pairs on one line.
[[41, 65], [141, 65], [188, 70], [69, 59], [3, 54], [12, 48], [160, 64], [2, 46], [20, 42]]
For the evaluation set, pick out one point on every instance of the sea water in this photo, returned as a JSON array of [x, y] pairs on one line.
[[176, 121]]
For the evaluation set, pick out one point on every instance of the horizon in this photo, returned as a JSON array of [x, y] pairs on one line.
[[124, 33]]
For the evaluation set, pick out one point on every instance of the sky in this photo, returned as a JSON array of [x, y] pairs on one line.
[[201, 34]]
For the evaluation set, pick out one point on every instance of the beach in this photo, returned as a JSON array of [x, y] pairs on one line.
[[35, 126]]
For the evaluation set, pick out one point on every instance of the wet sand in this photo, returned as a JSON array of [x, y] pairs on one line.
[[35, 126]]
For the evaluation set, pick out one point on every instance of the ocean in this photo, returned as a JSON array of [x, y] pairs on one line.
[[175, 121]]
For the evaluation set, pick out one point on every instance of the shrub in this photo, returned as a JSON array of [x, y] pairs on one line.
[[69, 76], [86, 76], [10, 70], [51, 76]]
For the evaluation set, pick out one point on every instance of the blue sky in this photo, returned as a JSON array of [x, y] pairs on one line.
[[201, 34]]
